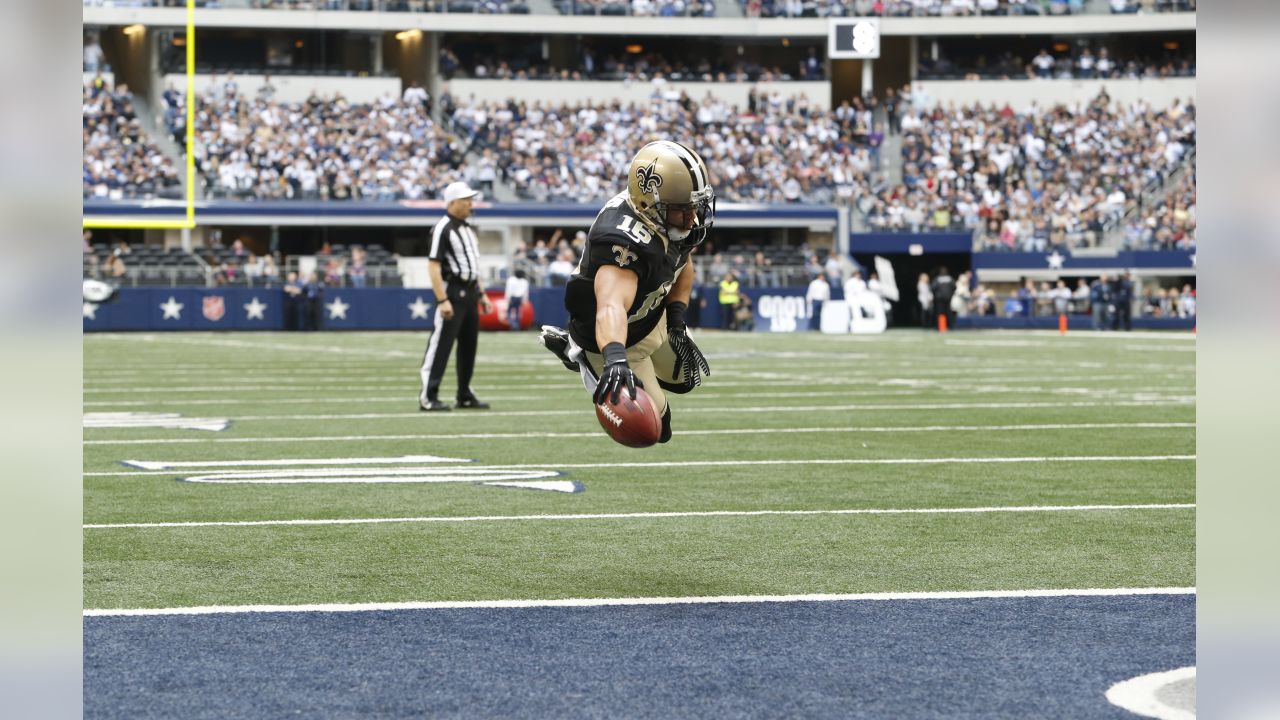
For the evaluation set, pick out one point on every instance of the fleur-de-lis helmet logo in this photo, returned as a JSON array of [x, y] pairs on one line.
[[648, 178]]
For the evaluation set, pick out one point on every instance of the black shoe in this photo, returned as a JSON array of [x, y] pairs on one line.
[[471, 402], [433, 406], [557, 341]]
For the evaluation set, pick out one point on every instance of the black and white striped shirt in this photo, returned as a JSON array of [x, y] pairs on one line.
[[454, 246]]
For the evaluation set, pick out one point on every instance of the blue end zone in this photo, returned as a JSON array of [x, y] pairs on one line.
[[1016, 658]]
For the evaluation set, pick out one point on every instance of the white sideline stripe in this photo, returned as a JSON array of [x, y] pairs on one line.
[[606, 602], [738, 463], [647, 515], [1140, 695], [731, 409], [731, 431]]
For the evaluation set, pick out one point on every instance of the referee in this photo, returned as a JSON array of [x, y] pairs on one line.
[[454, 264]]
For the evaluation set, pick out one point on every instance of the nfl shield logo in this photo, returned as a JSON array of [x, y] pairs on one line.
[[214, 308]]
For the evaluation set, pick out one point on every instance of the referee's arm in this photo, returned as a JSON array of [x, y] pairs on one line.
[[438, 287]]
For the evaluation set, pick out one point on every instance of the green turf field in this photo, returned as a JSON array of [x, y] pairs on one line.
[[785, 423]]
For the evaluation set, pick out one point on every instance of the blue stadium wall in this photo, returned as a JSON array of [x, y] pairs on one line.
[[169, 309], [776, 309]]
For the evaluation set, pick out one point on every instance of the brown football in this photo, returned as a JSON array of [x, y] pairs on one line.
[[631, 422]]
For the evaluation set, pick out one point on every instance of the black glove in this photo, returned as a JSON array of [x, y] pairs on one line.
[[689, 358], [617, 375]]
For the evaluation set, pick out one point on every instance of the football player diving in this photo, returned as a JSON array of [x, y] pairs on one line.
[[628, 296]]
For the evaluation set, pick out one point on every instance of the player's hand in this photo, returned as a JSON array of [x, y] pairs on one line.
[[446, 310], [690, 362], [616, 376], [689, 359]]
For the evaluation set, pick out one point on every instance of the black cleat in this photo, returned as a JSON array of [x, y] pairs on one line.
[[433, 406], [471, 402], [557, 341], [666, 426]]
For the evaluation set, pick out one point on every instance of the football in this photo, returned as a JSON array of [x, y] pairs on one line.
[[633, 422]]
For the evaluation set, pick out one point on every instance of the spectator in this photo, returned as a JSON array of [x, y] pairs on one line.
[[1122, 299], [728, 300], [744, 318], [816, 296], [517, 291], [93, 55], [357, 271], [924, 296]]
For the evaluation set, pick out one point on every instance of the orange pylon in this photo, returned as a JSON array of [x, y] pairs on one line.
[[942, 322], [1062, 324]]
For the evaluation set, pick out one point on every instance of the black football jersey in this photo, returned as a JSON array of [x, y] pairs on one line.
[[619, 238]]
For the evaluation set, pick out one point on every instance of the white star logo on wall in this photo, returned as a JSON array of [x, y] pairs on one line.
[[337, 309], [172, 309], [91, 310], [1056, 260], [254, 308], [418, 309], [1193, 259]]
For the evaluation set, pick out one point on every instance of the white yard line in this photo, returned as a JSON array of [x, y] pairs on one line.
[[947, 389], [602, 436], [603, 602], [648, 515], [748, 463], [731, 409]]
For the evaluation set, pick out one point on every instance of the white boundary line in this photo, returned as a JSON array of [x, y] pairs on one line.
[[723, 463], [646, 515], [605, 602], [1140, 695], [600, 435]]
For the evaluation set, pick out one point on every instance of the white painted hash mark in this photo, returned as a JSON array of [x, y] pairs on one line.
[[169, 421], [1141, 695], [606, 602], [646, 515], [373, 475], [166, 464]]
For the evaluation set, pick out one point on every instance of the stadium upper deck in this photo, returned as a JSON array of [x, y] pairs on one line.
[[702, 8], [707, 18]]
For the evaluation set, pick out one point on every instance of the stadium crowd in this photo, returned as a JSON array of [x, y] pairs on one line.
[[1032, 180], [120, 161], [777, 149], [321, 149], [947, 8], [753, 8], [1085, 64], [1040, 179], [638, 68]]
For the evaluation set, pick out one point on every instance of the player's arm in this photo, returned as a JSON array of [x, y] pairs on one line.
[[683, 286], [615, 290], [690, 364], [438, 287]]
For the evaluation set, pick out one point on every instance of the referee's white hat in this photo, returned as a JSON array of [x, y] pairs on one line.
[[459, 191]]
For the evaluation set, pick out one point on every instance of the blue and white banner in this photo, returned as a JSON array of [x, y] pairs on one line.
[[259, 309]]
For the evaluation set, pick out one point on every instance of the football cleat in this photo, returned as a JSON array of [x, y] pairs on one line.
[[557, 341], [471, 402], [433, 406]]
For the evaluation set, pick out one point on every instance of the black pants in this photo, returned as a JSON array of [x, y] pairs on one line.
[[464, 328], [1123, 317]]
